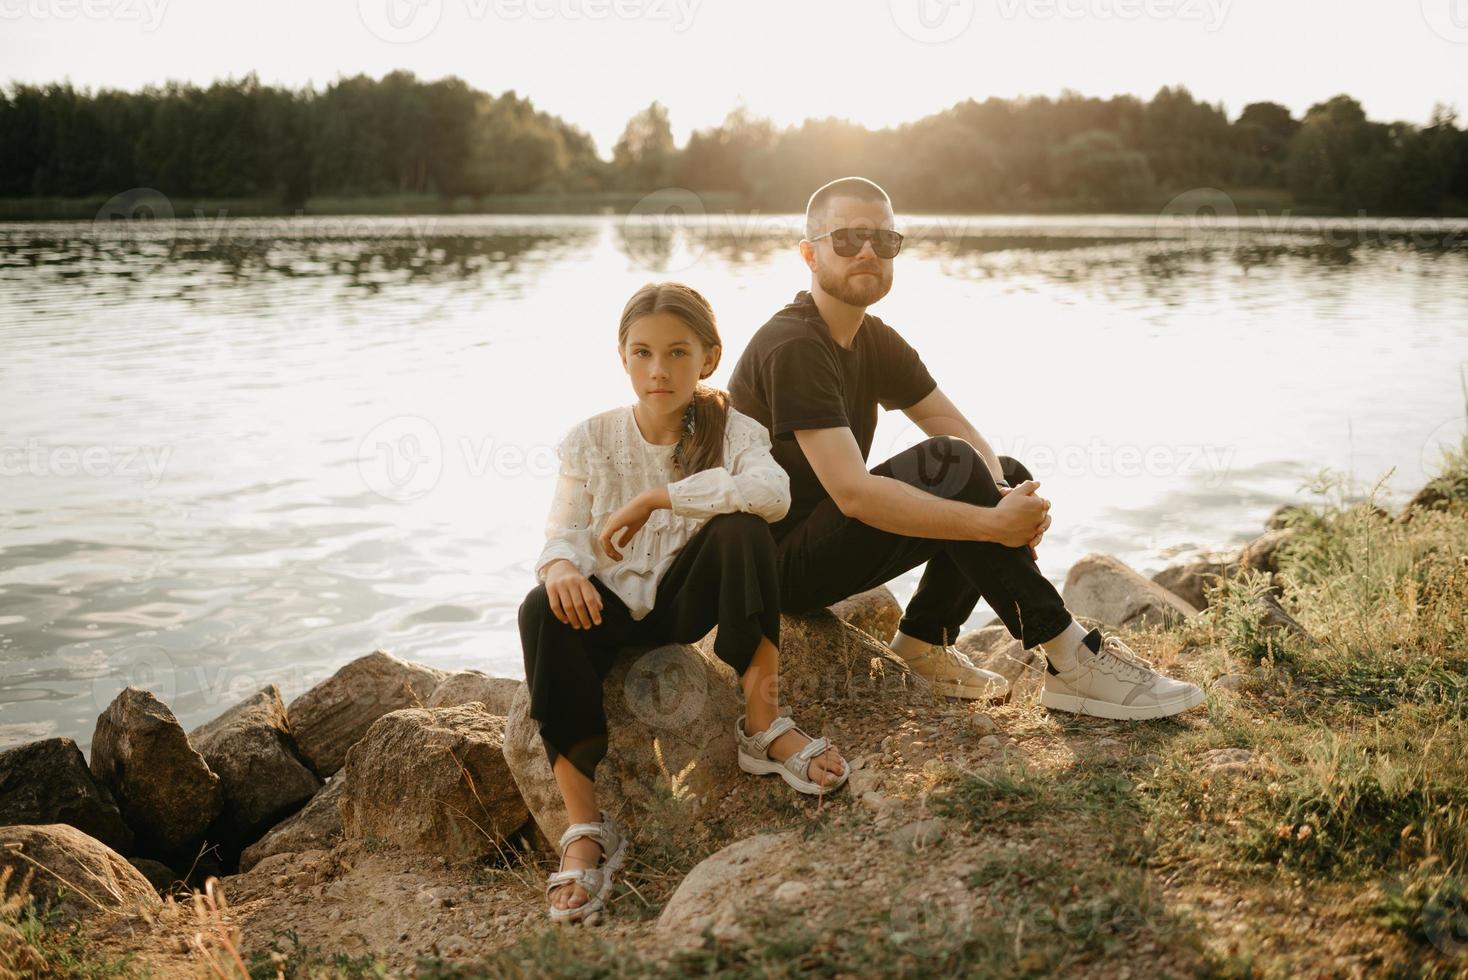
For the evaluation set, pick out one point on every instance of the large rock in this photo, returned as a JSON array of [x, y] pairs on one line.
[[1438, 494], [317, 825], [1105, 589], [159, 875], [1283, 515], [670, 722], [433, 780], [263, 780], [49, 782], [741, 877], [78, 874], [876, 612], [328, 719], [495, 693], [1191, 580], [1262, 554], [165, 790]]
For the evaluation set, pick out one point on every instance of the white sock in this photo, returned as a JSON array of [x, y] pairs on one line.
[[906, 646], [1061, 651]]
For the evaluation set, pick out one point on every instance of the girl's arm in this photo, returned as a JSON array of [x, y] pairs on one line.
[[749, 481], [568, 531]]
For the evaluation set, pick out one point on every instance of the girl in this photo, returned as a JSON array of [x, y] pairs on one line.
[[659, 531]]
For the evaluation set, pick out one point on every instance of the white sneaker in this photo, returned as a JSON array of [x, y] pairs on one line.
[[1109, 680], [951, 672]]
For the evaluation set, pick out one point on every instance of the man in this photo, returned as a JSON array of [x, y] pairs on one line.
[[814, 375]]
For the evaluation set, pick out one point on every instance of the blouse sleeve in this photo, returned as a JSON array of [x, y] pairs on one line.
[[568, 531], [750, 481]]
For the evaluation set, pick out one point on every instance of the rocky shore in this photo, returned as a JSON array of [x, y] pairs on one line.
[[399, 814]]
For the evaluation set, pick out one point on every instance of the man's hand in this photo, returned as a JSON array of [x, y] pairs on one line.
[[573, 599], [626, 522], [1025, 516]]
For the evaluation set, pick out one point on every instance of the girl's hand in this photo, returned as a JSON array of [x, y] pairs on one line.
[[625, 523], [573, 599]]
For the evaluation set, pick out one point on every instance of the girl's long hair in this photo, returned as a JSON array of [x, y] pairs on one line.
[[704, 448]]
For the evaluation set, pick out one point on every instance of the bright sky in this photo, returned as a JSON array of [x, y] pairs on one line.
[[879, 62]]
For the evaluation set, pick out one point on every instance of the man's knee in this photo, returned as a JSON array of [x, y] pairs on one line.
[[1015, 472], [945, 466]]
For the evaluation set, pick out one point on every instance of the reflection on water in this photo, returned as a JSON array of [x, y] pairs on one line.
[[240, 452]]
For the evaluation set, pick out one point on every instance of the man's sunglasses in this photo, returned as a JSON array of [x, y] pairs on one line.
[[848, 241]]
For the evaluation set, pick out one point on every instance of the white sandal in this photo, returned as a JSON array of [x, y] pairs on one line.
[[596, 881], [754, 756]]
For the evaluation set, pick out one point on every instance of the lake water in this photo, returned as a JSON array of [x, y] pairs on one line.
[[241, 452]]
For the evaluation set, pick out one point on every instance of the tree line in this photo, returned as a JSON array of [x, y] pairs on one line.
[[361, 136]]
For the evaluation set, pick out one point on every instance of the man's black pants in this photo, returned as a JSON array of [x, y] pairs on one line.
[[829, 556]]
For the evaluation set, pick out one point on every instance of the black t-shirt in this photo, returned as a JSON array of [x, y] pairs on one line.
[[793, 375]]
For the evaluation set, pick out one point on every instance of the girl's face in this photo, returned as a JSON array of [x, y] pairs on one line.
[[665, 360]]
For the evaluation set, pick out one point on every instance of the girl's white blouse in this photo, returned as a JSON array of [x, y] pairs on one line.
[[605, 462]]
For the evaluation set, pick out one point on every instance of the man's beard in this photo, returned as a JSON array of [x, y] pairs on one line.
[[857, 290]]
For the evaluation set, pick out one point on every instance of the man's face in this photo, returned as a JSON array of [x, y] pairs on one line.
[[863, 278]]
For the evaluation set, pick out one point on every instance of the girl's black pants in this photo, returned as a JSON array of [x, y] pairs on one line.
[[725, 576]]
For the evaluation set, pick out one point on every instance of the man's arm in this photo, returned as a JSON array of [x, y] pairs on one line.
[[901, 508], [936, 415]]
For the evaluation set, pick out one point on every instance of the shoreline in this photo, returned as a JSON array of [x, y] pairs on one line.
[[1249, 203]]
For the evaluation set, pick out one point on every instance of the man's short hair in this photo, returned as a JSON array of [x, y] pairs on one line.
[[856, 187]]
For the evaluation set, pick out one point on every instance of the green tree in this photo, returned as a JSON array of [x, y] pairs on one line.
[[644, 154]]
